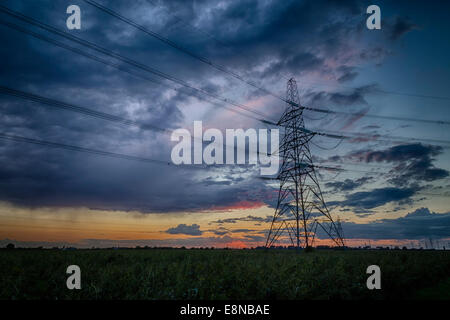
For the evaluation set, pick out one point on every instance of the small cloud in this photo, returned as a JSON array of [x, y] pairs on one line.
[[377, 197], [348, 184], [247, 218], [192, 230], [419, 224], [255, 238], [347, 74], [221, 231]]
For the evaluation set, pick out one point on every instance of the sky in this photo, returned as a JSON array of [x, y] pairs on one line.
[[395, 187]]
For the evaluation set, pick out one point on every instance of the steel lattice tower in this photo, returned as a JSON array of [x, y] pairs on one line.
[[301, 207]]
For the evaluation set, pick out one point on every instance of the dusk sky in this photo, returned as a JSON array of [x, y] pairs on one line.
[[395, 189]]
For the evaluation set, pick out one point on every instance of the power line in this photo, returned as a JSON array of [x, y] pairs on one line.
[[356, 164], [328, 168], [327, 148], [129, 61], [105, 51], [210, 35], [407, 94], [21, 139], [117, 66], [78, 109], [146, 68], [123, 156], [92, 113], [218, 66], [327, 111], [16, 138], [413, 95], [63, 146], [107, 116], [352, 136], [180, 48], [355, 135], [318, 83], [376, 137], [166, 76]]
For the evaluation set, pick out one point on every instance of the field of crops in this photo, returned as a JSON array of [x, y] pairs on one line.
[[223, 274]]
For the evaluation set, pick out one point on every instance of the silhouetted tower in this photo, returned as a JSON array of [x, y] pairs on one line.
[[301, 207]]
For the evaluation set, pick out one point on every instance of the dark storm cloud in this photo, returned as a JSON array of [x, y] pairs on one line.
[[412, 166], [377, 197], [418, 171], [348, 184], [268, 33], [264, 40], [302, 61], [416, 225], [399, 153], [356, 96], [413, 162], [192, 230], [352, 100], [49, 177]]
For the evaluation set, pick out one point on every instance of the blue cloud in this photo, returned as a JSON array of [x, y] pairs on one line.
[[419, 224]]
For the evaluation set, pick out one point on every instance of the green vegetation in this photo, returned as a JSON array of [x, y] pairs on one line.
[[222, 274]]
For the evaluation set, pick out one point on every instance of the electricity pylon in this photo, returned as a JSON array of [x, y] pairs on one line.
[[301, 208]]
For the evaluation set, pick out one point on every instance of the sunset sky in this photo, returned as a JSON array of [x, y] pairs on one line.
[[395, 189]]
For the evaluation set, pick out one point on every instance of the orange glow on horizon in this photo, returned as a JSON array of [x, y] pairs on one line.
[[82, 225]]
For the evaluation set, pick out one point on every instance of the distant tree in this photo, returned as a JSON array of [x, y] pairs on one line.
[[10, 246]]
